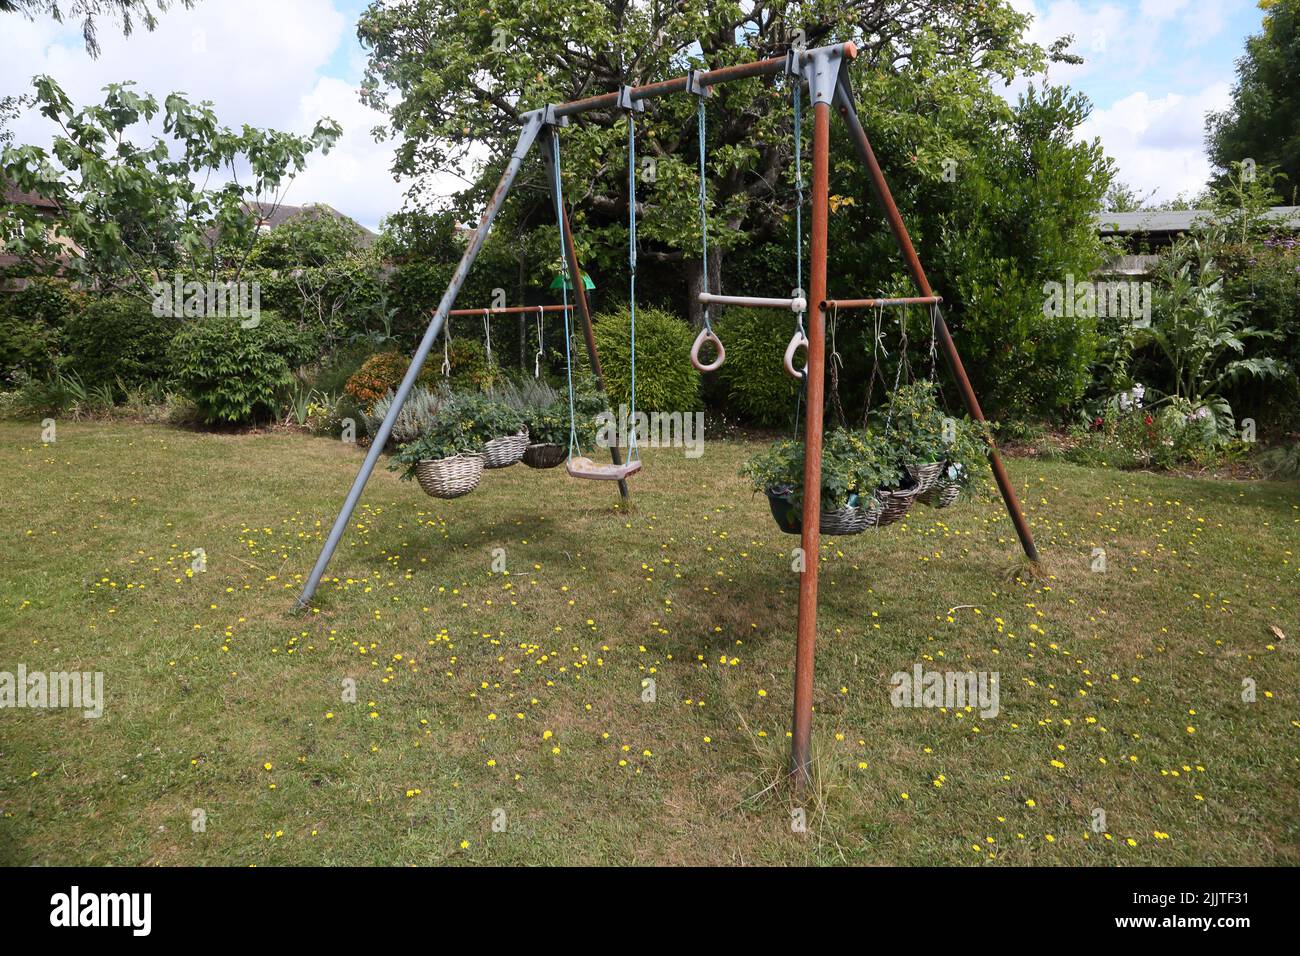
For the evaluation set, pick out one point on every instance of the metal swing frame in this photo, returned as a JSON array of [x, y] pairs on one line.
[[823, 70]]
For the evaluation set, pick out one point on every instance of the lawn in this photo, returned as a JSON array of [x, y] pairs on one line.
[[500, 716]]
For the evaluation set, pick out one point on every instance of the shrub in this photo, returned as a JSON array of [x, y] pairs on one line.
[[382, 373], [665, 379], [27, 346], [232, 374], [753, 376], [118, 339], [46, 300], [341, 364], [418, 415]]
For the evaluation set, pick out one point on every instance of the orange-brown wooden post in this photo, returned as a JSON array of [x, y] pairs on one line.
[[821, 72]]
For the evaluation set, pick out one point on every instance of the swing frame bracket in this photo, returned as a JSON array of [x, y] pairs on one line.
[[627, 102], [544, 116], [694, 84], [821, 69]]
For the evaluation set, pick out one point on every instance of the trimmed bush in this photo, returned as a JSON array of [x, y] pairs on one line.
[[382, 373], [119, 339], [754, 379], [665, 379], [232, 374]]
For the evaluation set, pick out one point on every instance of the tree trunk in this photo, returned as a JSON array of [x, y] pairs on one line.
[[694, 287]]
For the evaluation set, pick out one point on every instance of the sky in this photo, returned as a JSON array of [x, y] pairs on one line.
[[1153, 69]]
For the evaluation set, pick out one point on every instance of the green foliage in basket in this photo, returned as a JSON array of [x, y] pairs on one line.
[[914, 423], [853, 463], [487, 417], [545, 411], [967, 454], [445, 441]]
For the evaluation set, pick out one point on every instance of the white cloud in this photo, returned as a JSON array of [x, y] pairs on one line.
[[1155, 135], [1158, 142]]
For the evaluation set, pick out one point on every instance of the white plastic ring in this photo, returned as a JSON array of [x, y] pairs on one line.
[[706, 335], [797, 341]]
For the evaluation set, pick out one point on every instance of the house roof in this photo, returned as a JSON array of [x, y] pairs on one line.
[[271, 216], [1177, 220], [19, 197]]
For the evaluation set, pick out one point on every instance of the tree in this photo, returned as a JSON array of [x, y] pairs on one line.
[[452, 73], [1262, 126], [128, 212], [126, 12]]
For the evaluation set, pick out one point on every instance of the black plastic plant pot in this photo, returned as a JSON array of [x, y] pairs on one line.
[[787, 515]]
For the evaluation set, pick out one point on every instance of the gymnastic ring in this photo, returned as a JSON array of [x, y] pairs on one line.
[[706, 335], [797, 341]]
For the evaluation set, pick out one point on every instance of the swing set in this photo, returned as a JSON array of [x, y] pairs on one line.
[[823, 72]]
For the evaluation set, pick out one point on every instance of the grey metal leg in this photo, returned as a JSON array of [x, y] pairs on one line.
[[533, 123]]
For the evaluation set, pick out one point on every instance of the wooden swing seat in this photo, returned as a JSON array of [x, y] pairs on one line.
[[583, 467]]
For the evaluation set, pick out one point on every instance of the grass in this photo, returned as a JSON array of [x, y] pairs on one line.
[[499, 717]]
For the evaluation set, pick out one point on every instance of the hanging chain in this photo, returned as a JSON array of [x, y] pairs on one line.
[[836, 363], [798, 186], [541, 346], [446, 347]]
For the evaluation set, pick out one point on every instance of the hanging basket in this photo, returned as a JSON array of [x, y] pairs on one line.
[[854, 518], [787, 516], [943, 493], [545, 455], [927, 476], [449, 477], [894, 505], [946, 494], [505, 451]]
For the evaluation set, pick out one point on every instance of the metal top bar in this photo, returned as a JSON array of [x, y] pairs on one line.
[[881, 303], [511, 310], [707, 78]]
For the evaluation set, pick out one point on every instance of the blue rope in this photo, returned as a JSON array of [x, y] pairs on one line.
[[564, 291], [798, 182], [633, 450], [704, 219]]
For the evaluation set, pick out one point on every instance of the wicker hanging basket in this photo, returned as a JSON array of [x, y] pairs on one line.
[[927, 476], [944, 491], [854, 518], [505, 451], [545, 455], [894, 505], [946, 494], [449, 477]]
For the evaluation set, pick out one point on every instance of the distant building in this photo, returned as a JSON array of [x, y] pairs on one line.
[[271, 215], [1147, 232], [46, 209]]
